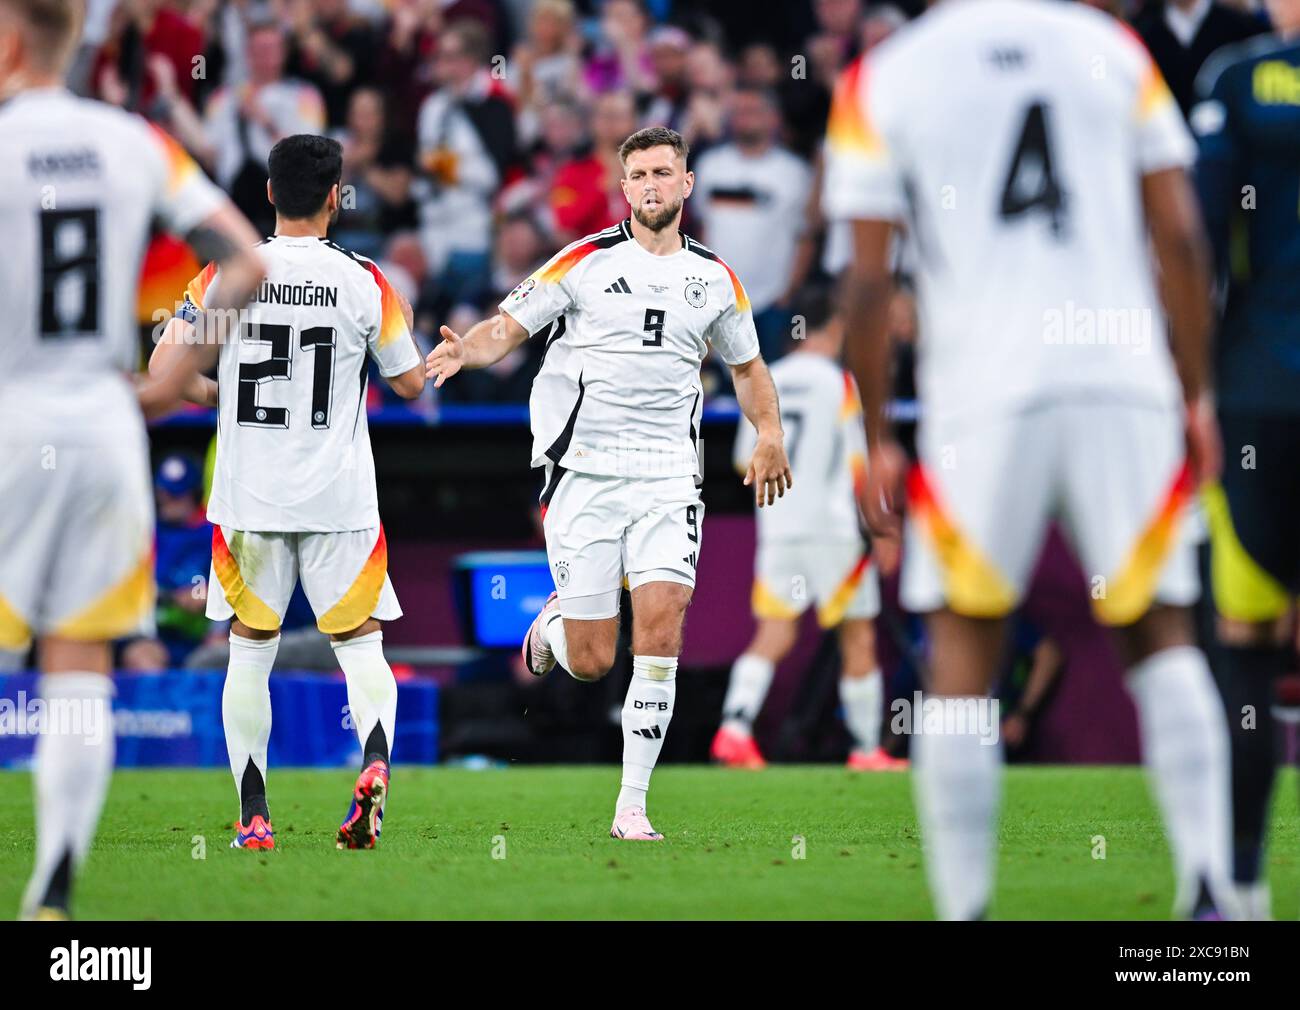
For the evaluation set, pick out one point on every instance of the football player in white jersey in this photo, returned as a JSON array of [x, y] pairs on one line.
[[1035, 173], [293, 490], [627, 316], [811, 550], [80, 185]]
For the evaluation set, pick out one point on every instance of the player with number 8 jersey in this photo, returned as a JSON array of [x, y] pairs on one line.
[[293, 493], [82, 184]]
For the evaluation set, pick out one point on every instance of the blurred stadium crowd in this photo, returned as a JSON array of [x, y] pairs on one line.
[[480, 136]]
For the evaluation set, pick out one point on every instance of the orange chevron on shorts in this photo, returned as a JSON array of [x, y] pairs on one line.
[[832, 613], [250, 610], [1129, 594], [766, 605], [118, 611], [359, 602], [15, 635], [973, 587]]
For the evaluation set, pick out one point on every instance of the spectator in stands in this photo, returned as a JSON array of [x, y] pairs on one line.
[[405, 69], [546, 66], [585, 195], [1182, 34], [331, 49], [669, 61], [143, 33], [711, 81], [752, 197], [621, 58], [466, 138], [377, 171], [243, 122], [183, 550]]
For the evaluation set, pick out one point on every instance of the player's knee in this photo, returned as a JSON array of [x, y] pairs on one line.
[[366, 627], [1161, 627], [775, 639], [858, 648], [1254, 634], [590, 661]]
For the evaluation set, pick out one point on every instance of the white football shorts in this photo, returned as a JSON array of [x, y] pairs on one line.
[[76, 538], [837, 576], [980, 498], [344, 575], [603, 532]]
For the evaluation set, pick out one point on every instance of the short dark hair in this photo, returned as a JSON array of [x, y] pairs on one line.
[[53, 25], [303, 169], [817, 304], [654, 136], [473, 37]]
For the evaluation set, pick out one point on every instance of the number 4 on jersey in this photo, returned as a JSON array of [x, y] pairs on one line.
[[1031, 183]]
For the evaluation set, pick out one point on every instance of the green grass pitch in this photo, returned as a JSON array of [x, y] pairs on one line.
[[732, 848]]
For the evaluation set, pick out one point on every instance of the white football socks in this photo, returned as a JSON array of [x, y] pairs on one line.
[[1186, 750], [246, 706], [957, 782], [372, 689], [647, 710], [73, 765], [861, 699], [751, 676], [553, 632]]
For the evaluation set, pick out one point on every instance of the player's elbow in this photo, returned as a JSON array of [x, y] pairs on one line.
[[409, 384]]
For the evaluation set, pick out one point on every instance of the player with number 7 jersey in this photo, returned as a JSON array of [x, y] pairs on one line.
[[293, 494]]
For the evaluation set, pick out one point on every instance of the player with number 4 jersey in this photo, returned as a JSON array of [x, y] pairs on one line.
[[293, 494], [1035, 175]]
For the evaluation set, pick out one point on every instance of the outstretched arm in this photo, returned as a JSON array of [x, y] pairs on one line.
[[484, 344]]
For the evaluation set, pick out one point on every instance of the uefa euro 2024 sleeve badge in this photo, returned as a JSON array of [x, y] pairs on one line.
[[696, 293], [523, 289]]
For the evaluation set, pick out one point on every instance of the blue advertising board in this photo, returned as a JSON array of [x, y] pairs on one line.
[[174, 719]]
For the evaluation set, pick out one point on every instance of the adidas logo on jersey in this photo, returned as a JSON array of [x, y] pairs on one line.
[[619, 287]]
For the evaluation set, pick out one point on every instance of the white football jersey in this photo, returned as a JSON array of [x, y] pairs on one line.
[[293, 444], [826, 446], [618, 392], [81, 183], [1010, 136]]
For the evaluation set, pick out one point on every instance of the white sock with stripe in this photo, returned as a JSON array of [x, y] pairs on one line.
[[1185, 748], [73, 766], [372, 692], [246, 716], [957, 779], [647, 711], [553, 632], [861, 699], [751, 676]]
